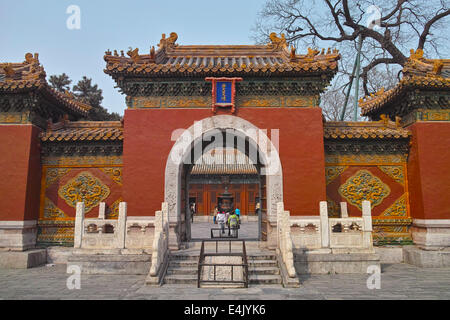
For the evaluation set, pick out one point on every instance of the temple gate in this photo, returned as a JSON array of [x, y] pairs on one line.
[[181, 101]]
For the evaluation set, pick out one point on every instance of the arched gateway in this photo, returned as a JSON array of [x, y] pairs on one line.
[[234, 132], [183, 100]]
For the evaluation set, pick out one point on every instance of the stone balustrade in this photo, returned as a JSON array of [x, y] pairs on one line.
[[100, 233], [160, 240], [284, 239], [309, 233], [125, 232]]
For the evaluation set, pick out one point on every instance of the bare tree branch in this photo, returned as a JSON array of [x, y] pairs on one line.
[[405, 24], [428, 25]]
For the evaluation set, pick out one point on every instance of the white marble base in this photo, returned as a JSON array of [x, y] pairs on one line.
[[18, 235], [431, 233], [427, 258], [23, 259]]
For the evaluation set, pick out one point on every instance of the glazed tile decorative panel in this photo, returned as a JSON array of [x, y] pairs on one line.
[[114, 173], [333, 172], [364, 186], [395, 172], [51, 211], [84, 187], [397, 209]]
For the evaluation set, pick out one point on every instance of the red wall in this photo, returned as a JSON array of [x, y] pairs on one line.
[[429, 170], [20, 174], [147, 144]]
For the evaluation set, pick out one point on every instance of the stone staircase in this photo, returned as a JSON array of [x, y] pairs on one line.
[[183, 267], [263, 268]]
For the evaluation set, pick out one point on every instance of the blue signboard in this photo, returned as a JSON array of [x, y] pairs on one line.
[[223, 92]]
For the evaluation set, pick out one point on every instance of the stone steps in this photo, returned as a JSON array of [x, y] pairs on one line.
[[262, 263], [262, 268], [182, 270], [181, 279], [264, 279]]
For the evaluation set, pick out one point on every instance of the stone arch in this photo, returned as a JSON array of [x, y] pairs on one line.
[[185, 138]]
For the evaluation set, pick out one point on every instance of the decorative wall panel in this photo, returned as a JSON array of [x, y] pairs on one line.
[[378, 178], [65, 182]]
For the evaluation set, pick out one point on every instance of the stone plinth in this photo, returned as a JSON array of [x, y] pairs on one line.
[[318, 262], [122, 264], [18, 235], [427, 258], [433, 233], [23, 260]]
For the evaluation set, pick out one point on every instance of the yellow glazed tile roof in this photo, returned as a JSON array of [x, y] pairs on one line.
[[83, 131], [223, 161], [383, 129], [418, 73], [30, 75], [172, 58]]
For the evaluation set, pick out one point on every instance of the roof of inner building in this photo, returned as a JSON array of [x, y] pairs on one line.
[[29, 75], [174, 59], [84, 131], [223, 161], [418, 73], [383, 129]]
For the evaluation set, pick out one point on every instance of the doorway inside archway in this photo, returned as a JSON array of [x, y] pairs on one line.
[[224, 180], [224, 177]]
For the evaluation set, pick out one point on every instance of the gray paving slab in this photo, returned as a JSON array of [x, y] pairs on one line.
[[399, 281], [202, 230]]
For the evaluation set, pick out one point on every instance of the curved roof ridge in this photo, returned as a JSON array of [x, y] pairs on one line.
[[30, 74]]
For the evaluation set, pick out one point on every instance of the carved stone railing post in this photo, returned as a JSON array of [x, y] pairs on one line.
[[79, 223], [160, 242], [344, 212], [367, 224], [101, 210], [165, 224], [325, 236], [280, 209], [284, 240], [121, 225]]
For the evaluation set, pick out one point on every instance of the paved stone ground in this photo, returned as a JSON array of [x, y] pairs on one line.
[[202, 230], [398, 281]]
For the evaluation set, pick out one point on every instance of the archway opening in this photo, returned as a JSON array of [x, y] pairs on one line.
[[224, 176], [223, 133]]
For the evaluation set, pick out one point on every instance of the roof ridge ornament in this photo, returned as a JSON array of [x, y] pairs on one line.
[[437, 67], [134, 55], [9, 71], [418, 54], [30, 59], [168, 42], [277, 42]]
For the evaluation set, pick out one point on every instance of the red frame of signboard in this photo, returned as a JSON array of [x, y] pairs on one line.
[[214, 104]]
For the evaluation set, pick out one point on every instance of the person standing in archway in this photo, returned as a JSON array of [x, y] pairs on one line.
[[216, 211], [233, 222], [221, 219], [192, 209], [238, 213]]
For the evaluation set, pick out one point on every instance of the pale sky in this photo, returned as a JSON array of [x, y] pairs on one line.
[[40, 26]]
